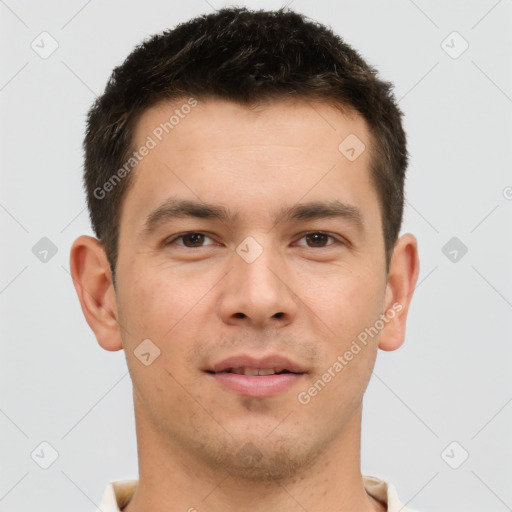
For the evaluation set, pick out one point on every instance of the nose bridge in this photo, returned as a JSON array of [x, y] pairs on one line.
[[256, 290]]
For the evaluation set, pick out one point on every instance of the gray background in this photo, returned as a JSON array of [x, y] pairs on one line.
[[450, 381]]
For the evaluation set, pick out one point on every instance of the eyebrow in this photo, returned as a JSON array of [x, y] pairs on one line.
[[174, 208]]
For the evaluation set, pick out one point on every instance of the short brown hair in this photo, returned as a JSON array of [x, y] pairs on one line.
[[246, 57]]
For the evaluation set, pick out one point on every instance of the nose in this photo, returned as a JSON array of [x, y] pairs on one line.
[[258, 294]]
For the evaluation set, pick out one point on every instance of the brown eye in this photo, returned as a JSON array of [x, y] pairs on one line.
[[318, 239], [190, 240], [195, 239]]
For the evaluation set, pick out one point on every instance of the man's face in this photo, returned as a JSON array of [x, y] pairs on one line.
[[261, 284]]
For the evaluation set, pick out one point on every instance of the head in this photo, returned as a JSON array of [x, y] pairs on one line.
[[246, 58], [276, 144]]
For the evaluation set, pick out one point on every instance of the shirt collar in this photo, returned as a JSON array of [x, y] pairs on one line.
[[117, 494]]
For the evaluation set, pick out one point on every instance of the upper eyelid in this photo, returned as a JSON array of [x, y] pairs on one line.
[[299, 236], [331, 235], [173, 238]]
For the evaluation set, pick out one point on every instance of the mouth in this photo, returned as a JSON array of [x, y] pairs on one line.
[[256, 377], [253, 371]]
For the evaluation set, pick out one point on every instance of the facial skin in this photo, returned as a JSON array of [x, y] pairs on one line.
[[200, 305]]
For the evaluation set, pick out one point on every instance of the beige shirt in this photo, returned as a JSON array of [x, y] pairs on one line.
[[117, 494]]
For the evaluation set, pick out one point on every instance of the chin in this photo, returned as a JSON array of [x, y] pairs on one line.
[[261, 459]]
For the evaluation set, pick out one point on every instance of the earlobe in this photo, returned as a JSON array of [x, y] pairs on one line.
[[402, 278], [92, 279]]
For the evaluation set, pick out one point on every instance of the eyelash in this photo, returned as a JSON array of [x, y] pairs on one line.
[[177, 237]]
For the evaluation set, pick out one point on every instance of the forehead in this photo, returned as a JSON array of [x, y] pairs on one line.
[[194, 123], [271, 154]]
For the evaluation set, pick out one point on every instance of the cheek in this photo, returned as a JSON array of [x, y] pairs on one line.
[[163, 307], [154, 300], [335, 390], [346, 302]]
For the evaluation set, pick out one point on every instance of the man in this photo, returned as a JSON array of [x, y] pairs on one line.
[[244, 175]]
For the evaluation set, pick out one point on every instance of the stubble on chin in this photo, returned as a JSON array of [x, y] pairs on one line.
[[274, 459]]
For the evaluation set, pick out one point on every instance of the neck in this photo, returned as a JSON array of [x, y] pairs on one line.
[[170, 479]]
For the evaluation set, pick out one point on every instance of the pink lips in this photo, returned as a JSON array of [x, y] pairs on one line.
[[256, 385]]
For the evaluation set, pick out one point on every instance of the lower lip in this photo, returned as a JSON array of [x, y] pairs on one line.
[[257, 385]]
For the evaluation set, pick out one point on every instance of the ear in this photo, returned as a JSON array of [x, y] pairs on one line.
[[403, 274], [92, 278]]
